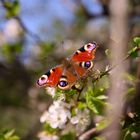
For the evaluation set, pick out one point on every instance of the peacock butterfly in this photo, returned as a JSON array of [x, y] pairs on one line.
[[72, 69]]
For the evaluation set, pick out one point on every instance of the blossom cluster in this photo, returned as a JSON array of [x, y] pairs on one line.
[[59, 115]]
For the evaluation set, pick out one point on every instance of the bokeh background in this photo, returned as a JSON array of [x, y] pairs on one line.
[[37, 38]]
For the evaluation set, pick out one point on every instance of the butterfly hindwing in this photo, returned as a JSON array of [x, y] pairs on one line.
[[67, 79], [73, 73], [82, 68]]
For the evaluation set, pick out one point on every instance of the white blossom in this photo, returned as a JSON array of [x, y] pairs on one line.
[[57, 115], [45, 136], [81, 120], [51, 91], [44, 116]]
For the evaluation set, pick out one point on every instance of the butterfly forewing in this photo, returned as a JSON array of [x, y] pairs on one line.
[[51, 78], [85, 53]]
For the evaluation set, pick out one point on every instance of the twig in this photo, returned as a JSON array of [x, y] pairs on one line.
[[79, 92], [89, 133], [106, 72], [29, 32]]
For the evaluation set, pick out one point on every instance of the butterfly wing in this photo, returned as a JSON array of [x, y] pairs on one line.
[[82, 58], [51, 78], [82, 68], [85, 53], [68, 79]]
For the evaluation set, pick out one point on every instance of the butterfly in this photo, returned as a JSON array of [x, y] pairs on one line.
[[73, 68]]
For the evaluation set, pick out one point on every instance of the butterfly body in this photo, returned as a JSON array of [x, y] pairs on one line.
[[72, 69]]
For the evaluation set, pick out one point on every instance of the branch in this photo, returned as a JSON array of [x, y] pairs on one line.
[[29, 32], [88, 134]]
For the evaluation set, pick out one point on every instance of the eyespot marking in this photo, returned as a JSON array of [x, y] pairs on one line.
[[90, 46], [86, 65], [42, 81], [63, 83]]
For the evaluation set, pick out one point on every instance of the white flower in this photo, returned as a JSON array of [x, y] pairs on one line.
[[44, 136], [51, 91], [81, 120], [57, 115], [44, 116]]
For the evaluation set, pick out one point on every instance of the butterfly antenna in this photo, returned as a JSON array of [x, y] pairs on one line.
[[62, 44], [63, 48]]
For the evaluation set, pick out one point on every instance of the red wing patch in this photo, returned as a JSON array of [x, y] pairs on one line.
[[85, 53], [50, 78]]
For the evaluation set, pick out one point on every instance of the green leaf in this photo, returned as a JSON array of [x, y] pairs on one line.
[[130, 77], [137, 40], [8, 135], [136, 46], [108, 53], [81, 105], [101, 97], [49, 129], [127, 135], [12, 8], [69, 94], [133, 52], [131, 90], [103, 124], [94, 104], [94, 101], [98, 138], [69, 136]]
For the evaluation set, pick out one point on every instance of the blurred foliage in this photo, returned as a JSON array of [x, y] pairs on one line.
[[10, 51], [68, 136], [8, 135], [137, 40], [12, 8], [49, 129], [98, 138], [131, 126]]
